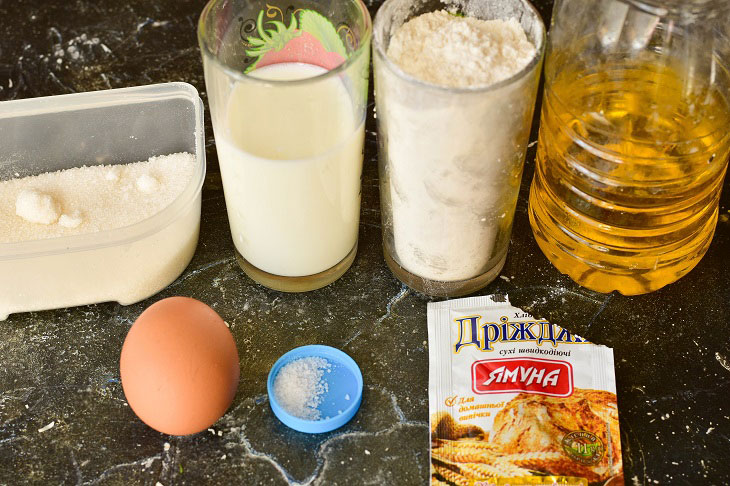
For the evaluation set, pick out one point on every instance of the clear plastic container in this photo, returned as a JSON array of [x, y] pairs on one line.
[[116, 126]]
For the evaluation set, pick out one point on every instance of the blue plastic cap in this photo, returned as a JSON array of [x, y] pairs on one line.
[[341, 401]]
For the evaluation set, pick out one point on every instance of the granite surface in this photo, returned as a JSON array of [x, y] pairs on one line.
[[60, 367]]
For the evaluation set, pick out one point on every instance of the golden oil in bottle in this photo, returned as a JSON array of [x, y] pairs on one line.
[[628, 175]]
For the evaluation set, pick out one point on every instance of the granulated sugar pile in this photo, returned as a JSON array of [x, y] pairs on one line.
[[86, 200], [299, 387], [460, 52]]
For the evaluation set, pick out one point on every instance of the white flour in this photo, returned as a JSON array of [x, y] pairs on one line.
[[460, 52], [454, 157]]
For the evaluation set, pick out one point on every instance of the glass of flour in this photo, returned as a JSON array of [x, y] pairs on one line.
[[455, 87], [287, 87]]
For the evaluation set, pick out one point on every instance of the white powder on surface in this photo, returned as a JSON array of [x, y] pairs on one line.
[[72, 220], [86, 200], [454, 158], [112, 174], [47, 427], [299, 386], [147, 184], [447, 50], [36, 207]]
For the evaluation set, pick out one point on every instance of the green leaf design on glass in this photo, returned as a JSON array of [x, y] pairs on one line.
[[321, 28], [270, 39], [273, 36]]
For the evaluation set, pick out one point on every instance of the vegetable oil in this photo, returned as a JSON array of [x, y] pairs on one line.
[[628, 175]]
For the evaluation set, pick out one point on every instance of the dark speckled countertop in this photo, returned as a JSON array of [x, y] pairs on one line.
[[672, 347]]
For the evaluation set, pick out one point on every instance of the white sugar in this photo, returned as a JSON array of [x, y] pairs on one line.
[[72, 220], [36, 207], [299, 386], [86, 200], [148, 184]]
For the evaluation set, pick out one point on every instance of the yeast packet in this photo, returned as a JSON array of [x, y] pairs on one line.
[[515, 400]]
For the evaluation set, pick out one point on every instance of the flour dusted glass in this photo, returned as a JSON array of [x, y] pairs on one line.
[[451, 158]]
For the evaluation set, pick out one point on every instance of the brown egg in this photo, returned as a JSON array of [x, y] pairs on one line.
[[179, 366]]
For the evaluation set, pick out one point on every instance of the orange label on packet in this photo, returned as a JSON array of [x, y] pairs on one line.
[[518, 401]]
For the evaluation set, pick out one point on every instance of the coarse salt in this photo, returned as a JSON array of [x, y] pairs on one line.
[[299, 386]]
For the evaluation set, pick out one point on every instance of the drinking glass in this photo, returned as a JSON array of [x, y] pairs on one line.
[[451, 159], [287, 87]]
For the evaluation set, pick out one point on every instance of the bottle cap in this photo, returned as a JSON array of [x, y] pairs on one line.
[[341, 400]]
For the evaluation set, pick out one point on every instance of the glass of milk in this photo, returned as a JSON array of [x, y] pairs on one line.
[[452, 152], [287, 87]]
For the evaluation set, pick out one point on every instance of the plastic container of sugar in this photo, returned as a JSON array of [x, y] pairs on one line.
[[315, 388], [125, 264]]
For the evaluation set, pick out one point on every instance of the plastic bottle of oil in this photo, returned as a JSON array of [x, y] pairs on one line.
[[634, 140]]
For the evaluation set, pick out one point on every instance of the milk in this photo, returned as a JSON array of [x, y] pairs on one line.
[[291, 160]]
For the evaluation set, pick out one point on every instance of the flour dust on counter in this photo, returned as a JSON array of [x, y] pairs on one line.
[[85, 200]]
